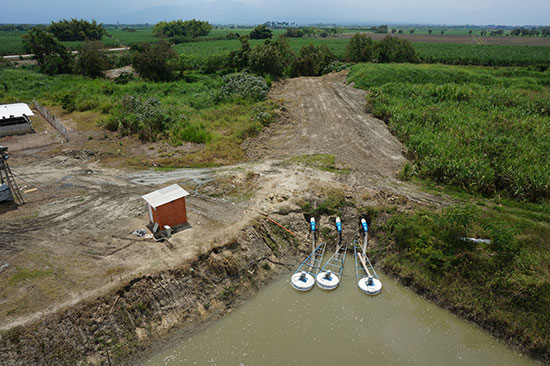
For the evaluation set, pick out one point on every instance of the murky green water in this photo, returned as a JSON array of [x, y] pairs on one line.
[[281, 326]]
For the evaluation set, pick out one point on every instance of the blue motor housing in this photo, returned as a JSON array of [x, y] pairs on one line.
[[364, 224]]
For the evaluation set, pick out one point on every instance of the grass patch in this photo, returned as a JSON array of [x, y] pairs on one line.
[[324, 162], [331, 202], [23, 274]]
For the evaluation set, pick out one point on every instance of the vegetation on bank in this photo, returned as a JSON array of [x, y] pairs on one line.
[[486, 130], [482, 130], [503, 284]]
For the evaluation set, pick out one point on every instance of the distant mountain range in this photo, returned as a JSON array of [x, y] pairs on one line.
[[234, 12], [215, 12], [250, 12]]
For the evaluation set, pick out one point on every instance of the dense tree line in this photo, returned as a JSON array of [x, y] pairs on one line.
[[279, 25], [380, 29], [17, 27], [77, 30], [525, 32], [391, 49], [183, 28], [261, 32], [294, 33]]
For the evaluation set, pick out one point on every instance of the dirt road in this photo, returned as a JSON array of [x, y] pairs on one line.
[[326, 115]]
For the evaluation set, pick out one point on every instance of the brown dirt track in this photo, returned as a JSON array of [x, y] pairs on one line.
[[326, 115]]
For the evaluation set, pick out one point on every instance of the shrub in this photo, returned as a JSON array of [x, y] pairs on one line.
[[52, 56], [244, 86], [239, 58], [261, 32], [190, 133], [267, 58], [142, 116], [335, 66], [294, 32], [119, 60], [152, 61], [179, 39], [232, 35], [393, 49], [218, 63], [312, 60], [68, 102], [124, 78], [91, 60], [262, 114], [361, 49]]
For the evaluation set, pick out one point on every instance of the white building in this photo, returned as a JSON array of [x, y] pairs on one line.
[[14, 119]]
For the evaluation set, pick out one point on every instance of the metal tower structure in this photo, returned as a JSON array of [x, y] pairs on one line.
[[6, 176]]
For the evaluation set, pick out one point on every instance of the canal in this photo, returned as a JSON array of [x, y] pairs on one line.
[[280, 326]]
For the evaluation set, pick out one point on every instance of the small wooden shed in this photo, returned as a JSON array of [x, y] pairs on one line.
[[167, 206]]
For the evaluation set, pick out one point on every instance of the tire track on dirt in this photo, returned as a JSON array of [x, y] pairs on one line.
[[326, 115]]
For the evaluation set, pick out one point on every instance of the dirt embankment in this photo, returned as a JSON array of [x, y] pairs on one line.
[[117, 326]]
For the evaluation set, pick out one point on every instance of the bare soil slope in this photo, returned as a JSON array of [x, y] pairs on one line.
[[326, 115]]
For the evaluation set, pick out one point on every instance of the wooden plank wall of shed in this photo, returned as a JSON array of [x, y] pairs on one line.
[[172, 213]]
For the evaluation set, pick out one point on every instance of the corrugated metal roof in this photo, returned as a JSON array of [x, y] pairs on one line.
[[15, 110], [165, 195]]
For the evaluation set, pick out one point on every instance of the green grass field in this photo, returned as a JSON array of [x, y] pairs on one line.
[[11, 42], [129, 38], [484, 129], [206, 48], [487, 55], [460, 54]]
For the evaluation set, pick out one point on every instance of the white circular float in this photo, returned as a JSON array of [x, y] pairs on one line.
[[370, 285], [302, 281], [328, 280]]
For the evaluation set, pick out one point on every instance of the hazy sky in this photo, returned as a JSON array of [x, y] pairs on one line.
[[508, 12]]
